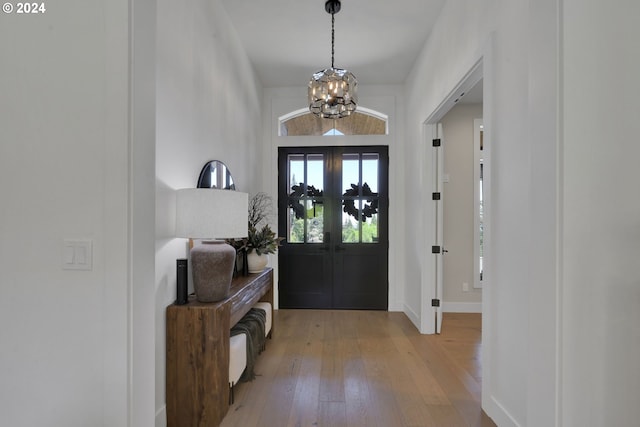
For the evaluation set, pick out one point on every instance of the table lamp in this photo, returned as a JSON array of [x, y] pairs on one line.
[[206, 213]]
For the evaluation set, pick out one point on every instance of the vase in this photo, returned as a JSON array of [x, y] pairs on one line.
[[256, 262], [212, 264]]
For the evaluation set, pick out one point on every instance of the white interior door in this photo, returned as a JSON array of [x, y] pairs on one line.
[[438, 250], [432, 278]]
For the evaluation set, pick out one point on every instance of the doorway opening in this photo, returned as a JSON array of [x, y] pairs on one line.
[[461, 211], [450, 281]]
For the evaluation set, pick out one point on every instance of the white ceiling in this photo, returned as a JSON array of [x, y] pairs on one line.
[[288, 40]]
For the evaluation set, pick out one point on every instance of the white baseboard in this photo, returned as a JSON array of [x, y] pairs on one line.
[[499, 414], [161, 417], [415, 319], [461, 307]]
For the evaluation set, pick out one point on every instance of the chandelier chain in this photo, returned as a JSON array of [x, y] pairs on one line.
[[333, 38]]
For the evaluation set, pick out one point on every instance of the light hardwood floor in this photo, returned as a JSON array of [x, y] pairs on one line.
[[363, 368]]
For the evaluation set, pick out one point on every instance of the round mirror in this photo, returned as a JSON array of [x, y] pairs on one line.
[[215, 174]]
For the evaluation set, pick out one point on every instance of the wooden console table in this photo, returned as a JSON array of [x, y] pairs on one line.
[[197, 386]]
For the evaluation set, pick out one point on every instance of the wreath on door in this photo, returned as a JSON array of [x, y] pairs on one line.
[[369, 207], [298, 192]]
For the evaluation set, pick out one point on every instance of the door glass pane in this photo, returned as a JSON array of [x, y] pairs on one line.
[[296, 169], [350, 205], [315, 222], [370, 230], [296, 227], [360, 201], [305, 198], [360, 221], [370, 170], [350, 223], [315, 171], [350, 173]]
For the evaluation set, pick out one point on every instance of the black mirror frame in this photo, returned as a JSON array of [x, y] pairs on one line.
[[204, 180]]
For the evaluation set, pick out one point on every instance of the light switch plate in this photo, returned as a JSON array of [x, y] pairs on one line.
[[77, 254]]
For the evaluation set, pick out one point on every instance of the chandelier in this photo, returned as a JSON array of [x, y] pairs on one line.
[[333, 91]]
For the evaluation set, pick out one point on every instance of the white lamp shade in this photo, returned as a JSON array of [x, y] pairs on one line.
[[205, 213]]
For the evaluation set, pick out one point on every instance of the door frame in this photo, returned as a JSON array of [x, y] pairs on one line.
[[282, 101], [431, 318], [331, 255]]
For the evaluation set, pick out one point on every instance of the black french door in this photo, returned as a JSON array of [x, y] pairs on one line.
[[333, 213]]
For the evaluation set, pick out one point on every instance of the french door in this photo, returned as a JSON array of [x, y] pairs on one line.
[[333, 213]]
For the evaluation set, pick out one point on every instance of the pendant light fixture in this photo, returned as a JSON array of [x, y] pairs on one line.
[[333, 91]]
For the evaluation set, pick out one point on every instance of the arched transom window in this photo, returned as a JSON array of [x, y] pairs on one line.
[[362, 122]]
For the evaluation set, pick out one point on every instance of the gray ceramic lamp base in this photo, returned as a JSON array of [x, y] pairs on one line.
[[212, 264]]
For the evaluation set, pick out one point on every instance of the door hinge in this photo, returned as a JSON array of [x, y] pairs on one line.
[[435, 302], [436, 142], [435, 249], [435, 196]]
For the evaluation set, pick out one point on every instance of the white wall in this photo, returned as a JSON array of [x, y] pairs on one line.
[[459, 209], [455, 45], [517, 41], [560, 300], [64, 173], [600, 225], [208, 107], [141, 223], [81, 345]]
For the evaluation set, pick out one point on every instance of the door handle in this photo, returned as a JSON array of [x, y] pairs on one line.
[[339, 248]]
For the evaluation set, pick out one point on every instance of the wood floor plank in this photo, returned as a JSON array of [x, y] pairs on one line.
[[331, 377], [305, 406], [363, 368], [358, 402], [382, 408], [283, 387], [332, 414]]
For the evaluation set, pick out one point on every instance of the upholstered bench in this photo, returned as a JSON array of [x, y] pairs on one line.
[[267, 308], [267, 324], [237, 361]]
